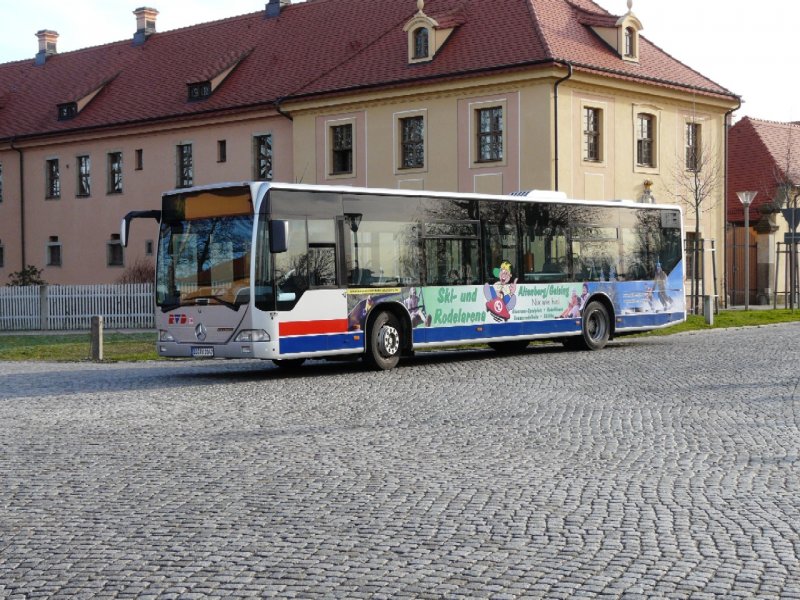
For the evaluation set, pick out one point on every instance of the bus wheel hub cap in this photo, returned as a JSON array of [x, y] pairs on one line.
[[389, 341]]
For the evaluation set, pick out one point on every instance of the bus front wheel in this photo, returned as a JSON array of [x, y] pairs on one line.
[[596, 328], [385, 342]]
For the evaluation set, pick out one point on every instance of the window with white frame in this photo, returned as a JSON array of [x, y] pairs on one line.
[[53, 252], [630, 42], [84, 164], [262, 157], [645, 140], [490, 128], [693, 139], [115, 172], [341, 138], [412, 142], [421, 43], [592, 132], [185, 166], [52, 179]]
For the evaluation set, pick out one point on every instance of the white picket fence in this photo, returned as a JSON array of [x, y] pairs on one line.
[[71, 307]]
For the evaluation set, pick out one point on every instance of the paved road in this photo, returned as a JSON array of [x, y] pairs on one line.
[[657, 468]]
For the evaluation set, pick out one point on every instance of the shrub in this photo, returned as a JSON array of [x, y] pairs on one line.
[[30, 275]]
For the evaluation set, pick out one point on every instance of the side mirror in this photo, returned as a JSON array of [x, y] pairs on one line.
[[278, 236], [125, 226]]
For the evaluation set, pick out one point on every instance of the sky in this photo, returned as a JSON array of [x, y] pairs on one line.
[[748, 47]]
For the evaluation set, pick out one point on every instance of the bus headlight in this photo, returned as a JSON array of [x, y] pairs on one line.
[[252, 335], [165, 336]]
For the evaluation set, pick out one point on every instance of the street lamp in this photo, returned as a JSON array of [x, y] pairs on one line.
[[746, 198]]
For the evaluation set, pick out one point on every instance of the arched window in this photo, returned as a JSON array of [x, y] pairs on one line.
[[630, 42], [421, 43]]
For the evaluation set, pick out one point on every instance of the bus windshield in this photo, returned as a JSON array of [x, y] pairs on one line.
[[203, 257]]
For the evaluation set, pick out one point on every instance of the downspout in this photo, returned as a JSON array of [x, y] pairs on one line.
[[555, 115], [725, 203], [21, 202], [282, 112]]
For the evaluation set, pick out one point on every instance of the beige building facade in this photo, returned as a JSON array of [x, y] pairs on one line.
[[528, 107]]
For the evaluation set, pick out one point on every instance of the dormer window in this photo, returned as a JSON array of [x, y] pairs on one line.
[[70, 110], [67, 111], [427, 35], [620, 33], [628, 27], [421, 47], [200, 90], [204, 84]]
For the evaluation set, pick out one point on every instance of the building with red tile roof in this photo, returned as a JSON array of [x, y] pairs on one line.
[[273, 83], [764, 157]]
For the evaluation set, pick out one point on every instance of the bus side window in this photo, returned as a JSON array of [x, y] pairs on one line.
[[291, 267], [322, 264], [321, 252], [450, 261], [500, 246]]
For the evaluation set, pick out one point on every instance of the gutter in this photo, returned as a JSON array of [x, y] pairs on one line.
[[555, 117], [21, 202]]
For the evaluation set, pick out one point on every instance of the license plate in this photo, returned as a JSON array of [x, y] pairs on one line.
[[202, 352]]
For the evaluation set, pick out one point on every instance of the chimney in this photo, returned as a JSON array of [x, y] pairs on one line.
[[145, 24], [274, 7], [47, 45]]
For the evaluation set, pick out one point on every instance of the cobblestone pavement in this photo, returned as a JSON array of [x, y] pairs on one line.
[[656, 468]]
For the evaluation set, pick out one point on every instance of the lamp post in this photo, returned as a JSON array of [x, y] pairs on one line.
[[746, 198]]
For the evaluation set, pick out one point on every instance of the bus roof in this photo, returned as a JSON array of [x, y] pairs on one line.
[[519, 196]]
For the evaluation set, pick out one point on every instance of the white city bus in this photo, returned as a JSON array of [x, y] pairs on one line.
[[289, 272]]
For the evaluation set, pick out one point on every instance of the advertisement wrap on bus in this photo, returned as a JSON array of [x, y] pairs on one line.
[[288, 271]]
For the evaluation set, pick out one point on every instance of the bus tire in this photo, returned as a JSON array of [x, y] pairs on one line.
[[384, 344], [596, 327]]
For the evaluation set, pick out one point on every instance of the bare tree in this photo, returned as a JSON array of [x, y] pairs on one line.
[[696, 177], [786, 179], [141, 271]]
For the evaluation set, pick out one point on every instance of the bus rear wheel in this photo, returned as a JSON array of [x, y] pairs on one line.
[[385, 342]]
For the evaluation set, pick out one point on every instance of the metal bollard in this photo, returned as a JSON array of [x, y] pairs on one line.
[[708, 309], [97, 338]]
